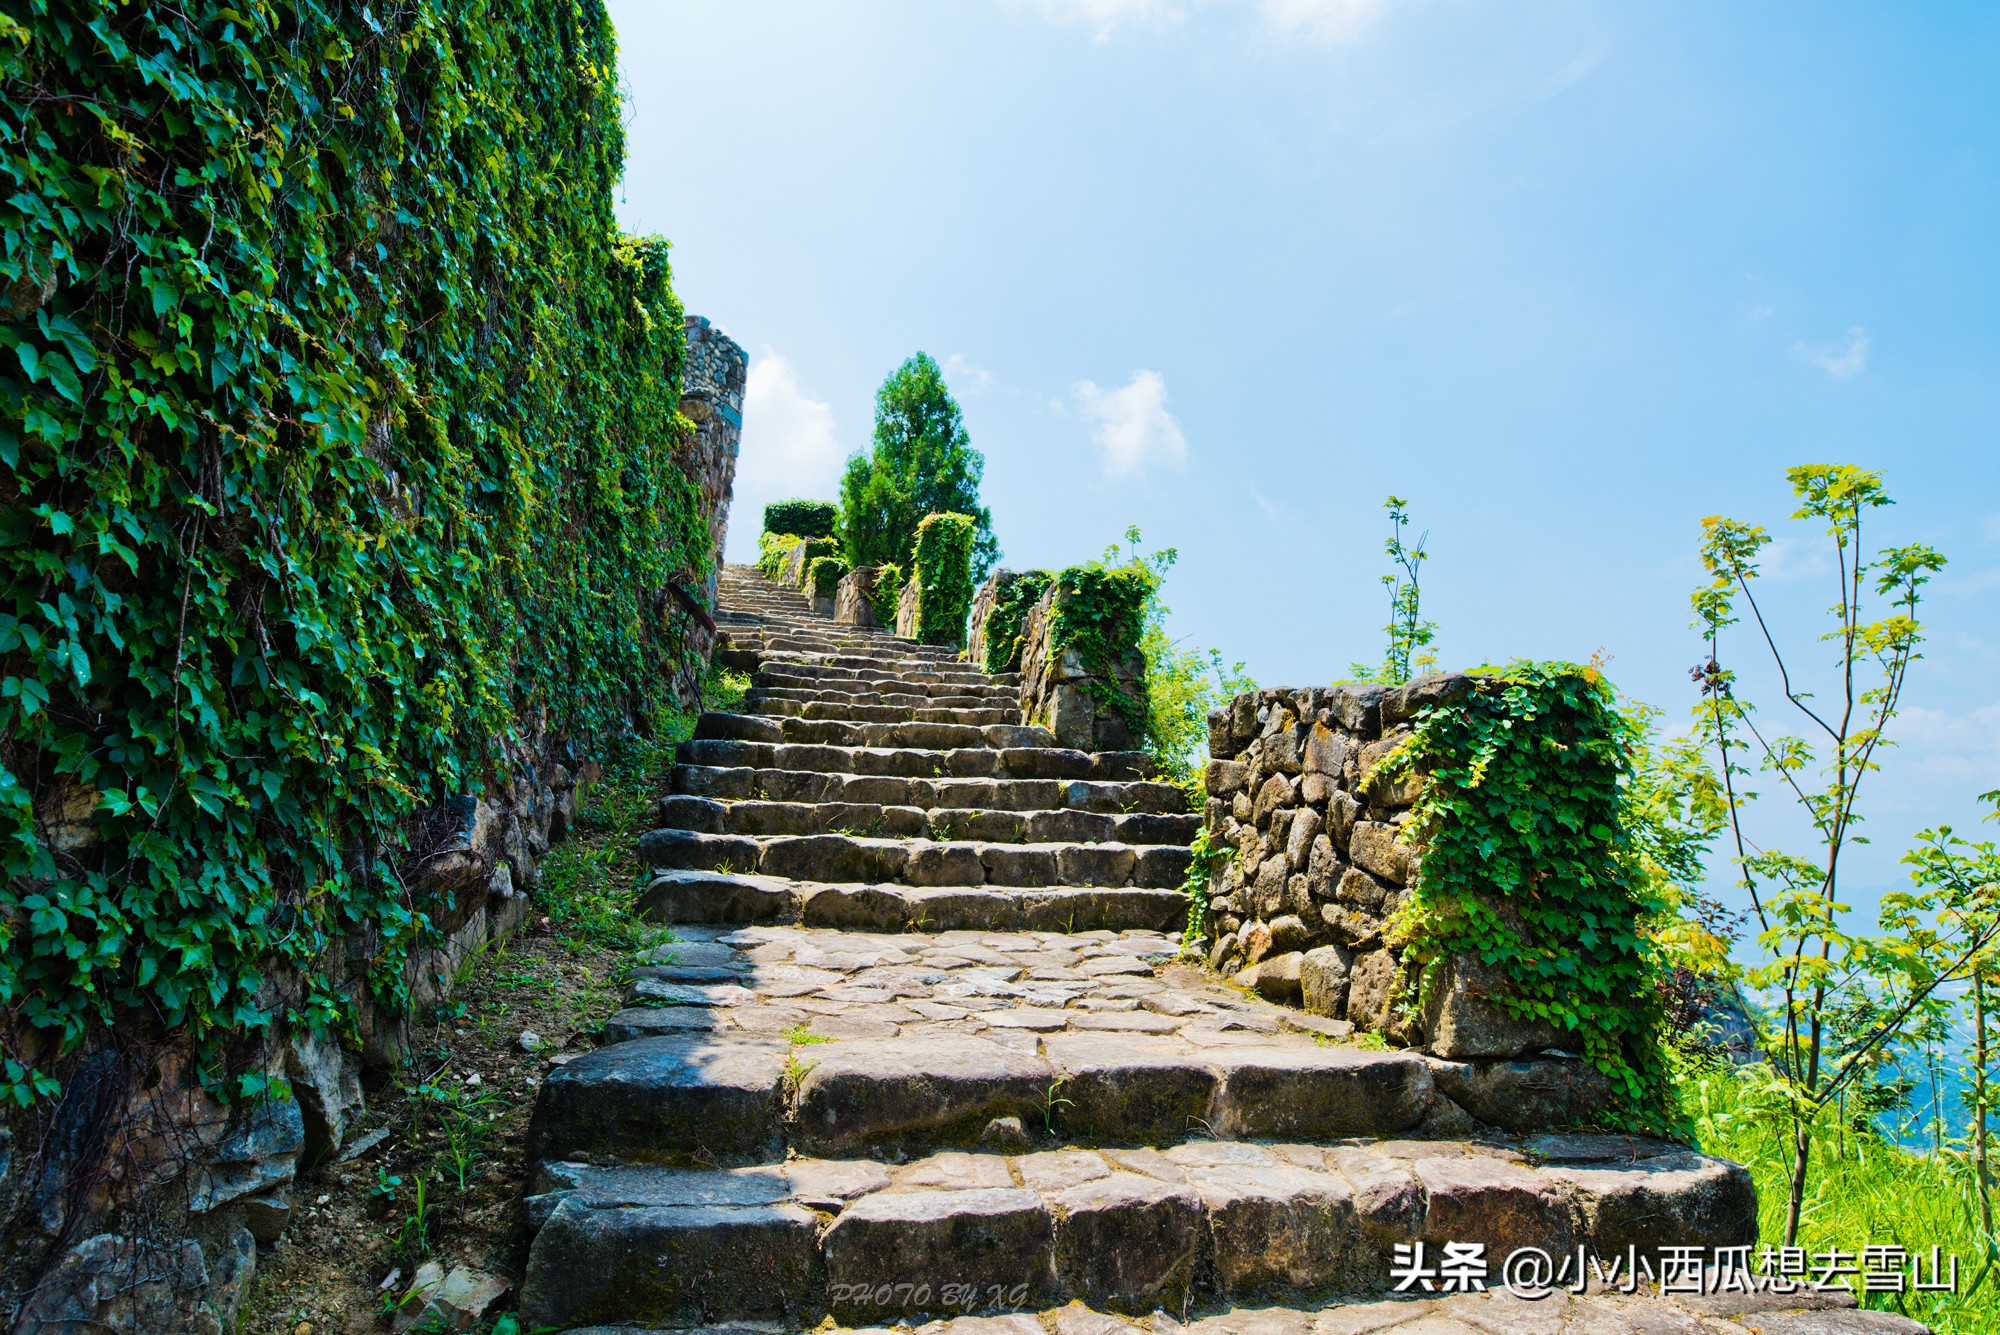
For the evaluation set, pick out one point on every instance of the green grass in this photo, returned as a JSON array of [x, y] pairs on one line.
[[1862, 1191], [589, 882]]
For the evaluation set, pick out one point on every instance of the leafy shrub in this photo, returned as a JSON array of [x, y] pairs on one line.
[[806, 519], [773, 551], [943, 560], [816, 549], [339, 428], [922, 463], [1009, 617], [823, 576]]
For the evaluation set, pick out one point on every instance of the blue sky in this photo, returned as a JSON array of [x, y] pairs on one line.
[[1567, 276]]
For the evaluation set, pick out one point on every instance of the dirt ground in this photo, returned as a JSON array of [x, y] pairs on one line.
[[457, 1120]]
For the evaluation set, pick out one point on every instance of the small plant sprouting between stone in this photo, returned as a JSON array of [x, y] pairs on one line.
[[1408, 652], [1051, 1101]]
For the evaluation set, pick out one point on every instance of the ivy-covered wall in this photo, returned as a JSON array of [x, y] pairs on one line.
[[343, 477]]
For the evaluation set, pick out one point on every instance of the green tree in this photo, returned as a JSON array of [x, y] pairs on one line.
[[1842, 1000], [922, 463], [1409, 653]]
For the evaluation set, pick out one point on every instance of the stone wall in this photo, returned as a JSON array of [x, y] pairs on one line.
[[1321, 863], [135, 1202], [713, 377]]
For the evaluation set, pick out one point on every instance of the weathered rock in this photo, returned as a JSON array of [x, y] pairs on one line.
[[259, 1154], [326, 1080], [1478, 1198], [1274, 1228], [115, 1283], [1670, 1200], [1319, 1093], [1524, 1096], [1464, 1018], [1413, 697], [1323, 975], [1376, 849], [1135, 1092]]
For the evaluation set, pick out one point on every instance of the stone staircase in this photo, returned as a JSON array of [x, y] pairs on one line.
[[923, 1049]]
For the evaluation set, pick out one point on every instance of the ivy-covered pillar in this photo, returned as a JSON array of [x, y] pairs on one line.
[[1443, 863], [1083, 676]]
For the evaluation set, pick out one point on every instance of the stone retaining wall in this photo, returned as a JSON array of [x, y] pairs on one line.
[[1321, 863]]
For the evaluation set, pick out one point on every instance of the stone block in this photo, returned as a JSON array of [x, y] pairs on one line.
[[991, 1238], [1316, 1093], [1132, 1091], [1275, 1229], [1323, 975], [1376, 849], [1542, 1094], [664, 1100], [673, 1265], [870, 1092], [1478, 1198], [1128, 1242]]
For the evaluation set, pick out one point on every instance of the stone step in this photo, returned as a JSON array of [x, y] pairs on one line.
[[921, 698], [1131, 1229], [753, 817], [778, 728], [782, 785], [975, 762], [812, 672], [853, 858], [716, 897], [969, 713], [687, 1097], [781, 685]]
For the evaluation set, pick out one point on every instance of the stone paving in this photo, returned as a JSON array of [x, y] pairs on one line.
[[848, 1092]]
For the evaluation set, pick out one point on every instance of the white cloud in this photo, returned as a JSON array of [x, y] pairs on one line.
[[966, 377], [1839, 362], [789, 448], [1103, 17], [1269, 506], [1131, 425], [1320, 20]]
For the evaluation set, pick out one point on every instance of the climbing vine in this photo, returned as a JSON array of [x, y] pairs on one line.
[[887, 591], [1527, 864], [340, 434], [942, 563], [1002, 645]]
